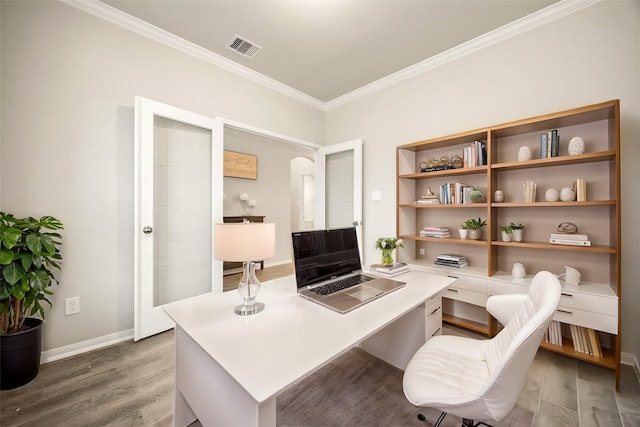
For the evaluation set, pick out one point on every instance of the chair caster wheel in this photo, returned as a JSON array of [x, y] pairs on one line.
[[421, 417]]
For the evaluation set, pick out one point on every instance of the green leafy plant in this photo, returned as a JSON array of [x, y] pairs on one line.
[[387, 245], [506, 228], [27, 257], [473, 224], [476, 195], [516, 226]]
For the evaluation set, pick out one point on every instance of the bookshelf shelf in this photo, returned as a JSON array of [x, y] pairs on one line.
[[598, 216], [608, 359]]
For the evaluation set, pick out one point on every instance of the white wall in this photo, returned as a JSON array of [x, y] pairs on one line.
[[585, 58], [68, 86], [271, 190]]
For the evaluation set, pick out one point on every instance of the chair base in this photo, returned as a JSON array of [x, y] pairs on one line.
[[465, 421]]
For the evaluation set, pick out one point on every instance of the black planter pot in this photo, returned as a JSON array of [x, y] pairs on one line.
[[20, 355]]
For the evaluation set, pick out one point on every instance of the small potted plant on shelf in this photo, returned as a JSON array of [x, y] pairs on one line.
[[517, 231], [474, 227], [28, 254], [387, 245], [476, 195], [506, 233]]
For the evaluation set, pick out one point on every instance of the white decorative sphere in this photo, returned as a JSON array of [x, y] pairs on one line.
[[567, 194], [552, 195], [576, 146]]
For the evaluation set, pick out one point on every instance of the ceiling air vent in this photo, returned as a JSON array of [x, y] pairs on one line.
[[243, 46]]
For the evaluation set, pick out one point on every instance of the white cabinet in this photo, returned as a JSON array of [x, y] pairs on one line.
[[433, 317]]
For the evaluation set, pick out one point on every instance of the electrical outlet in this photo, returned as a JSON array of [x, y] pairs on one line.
[[376, 195], [421, 251], [71, 306]]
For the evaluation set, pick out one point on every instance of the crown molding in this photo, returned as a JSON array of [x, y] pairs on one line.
[[117, 17], [512, 29]]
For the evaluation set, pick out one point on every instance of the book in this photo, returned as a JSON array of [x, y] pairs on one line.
[[596, 351], [452, 257], [565, 236], [543, 145], [555, 143], [581, 190], [427, 202], [397, 267], [449, 262], [454, 265], [570, 242]]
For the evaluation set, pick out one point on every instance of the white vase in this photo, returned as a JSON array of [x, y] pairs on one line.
[[474, 234], [506, 237], [518, 270], [552, 195], [517, 235], [463, 233], [567, 194], [524, 153]]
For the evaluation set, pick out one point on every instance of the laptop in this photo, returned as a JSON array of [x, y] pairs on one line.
[[329, 271]]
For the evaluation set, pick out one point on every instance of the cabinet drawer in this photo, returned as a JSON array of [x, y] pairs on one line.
[[501, 288], [588, 319], [587, 302], [470, 283], [465, 295], [433, 318]]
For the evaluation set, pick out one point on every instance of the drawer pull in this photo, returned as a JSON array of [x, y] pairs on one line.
[[452, 290], [565, 311], [436, 332], [434, 311], [566, 295], [434, 296], [453, 277]]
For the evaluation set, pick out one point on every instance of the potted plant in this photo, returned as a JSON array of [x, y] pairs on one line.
[[473, 226], [506, 232], [387, 245], [517, 231], [28, 254], [476, 195]]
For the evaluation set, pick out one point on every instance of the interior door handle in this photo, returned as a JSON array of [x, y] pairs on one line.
[[147, 229]]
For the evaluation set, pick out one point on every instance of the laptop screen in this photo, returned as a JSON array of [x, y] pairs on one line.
[[320, 255]]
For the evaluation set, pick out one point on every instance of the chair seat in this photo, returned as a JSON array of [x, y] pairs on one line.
[[446, 369]]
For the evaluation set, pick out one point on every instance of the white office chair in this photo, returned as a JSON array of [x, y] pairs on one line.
[[482, 379]]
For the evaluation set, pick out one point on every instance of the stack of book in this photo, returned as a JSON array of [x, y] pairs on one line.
[[427, 201], [569, 239], [581, 190], [450, 260], [390, 270], [549, 144], [586, 340], [554, 333], [529, 192], [475, 154], [439, 232]]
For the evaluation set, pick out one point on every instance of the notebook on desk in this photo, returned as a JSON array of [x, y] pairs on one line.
[[328, 270]]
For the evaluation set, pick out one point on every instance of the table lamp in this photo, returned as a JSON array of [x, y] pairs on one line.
[[246, 243]]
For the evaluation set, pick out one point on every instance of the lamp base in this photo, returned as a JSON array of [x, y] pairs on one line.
[[248, 310]]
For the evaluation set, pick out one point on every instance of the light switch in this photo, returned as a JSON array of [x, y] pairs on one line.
[[376, 195]]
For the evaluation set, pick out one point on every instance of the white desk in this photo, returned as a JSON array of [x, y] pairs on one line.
[[229, 369]]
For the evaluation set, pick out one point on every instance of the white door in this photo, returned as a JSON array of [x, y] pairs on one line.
[[339, 187], [177, 200]]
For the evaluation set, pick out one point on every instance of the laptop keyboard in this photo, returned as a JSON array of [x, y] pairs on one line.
[[339, 285]]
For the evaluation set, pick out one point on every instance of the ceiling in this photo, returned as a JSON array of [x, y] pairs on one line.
[[326, 49]]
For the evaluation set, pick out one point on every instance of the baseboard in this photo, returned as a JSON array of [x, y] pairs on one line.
[[84, 346], [631, 360]]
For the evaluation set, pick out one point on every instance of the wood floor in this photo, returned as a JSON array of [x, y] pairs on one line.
[[131, 384]]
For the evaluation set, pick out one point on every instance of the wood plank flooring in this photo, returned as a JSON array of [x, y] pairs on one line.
[[131, 384]]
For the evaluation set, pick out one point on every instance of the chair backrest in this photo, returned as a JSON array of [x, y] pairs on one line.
[[510, 353]]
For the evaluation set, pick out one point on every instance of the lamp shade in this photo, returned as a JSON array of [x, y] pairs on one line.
[[245, 242]]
